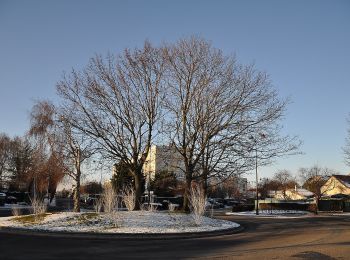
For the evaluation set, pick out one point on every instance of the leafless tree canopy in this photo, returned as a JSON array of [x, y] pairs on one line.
[[115, 101], [41, 134], [67, 148], [215, 105], [217, 113], [284, 180]]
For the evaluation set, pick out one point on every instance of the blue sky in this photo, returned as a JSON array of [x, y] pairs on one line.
[[303, 45]]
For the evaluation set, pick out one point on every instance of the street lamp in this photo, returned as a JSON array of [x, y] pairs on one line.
[[256, 179], [256, 170]]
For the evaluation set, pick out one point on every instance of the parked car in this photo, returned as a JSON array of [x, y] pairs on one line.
[[2, 199], [11, 200], [230, 202], [152, 205], [213, 204], [91, 199]]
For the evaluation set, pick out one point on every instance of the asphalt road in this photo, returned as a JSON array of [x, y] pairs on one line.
[[322, 238]]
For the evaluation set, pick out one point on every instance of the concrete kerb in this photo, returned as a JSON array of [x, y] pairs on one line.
[[129, 236]]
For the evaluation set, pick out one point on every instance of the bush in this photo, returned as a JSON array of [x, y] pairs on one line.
[[98, 205], [129, 197], [16, 211], [38, 207], [109, 199]]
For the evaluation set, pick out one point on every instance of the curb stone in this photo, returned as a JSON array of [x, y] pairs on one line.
[[129, 236]]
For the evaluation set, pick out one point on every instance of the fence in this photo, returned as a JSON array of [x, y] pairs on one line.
[[334, 205], [338, 205], [273, 204]]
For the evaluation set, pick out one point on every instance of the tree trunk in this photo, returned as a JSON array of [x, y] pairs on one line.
[[205, 184], [316, 209], [138, 190], [187, 194], [77, 195]]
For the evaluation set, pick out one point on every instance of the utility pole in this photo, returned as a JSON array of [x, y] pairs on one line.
[[256, 178], [255, 139]]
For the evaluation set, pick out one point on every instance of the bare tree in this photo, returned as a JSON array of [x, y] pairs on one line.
[[42, 133], [22, 164], [74, 148], [67, 148], [214, 105], [115, 102], [314, 179], [284, 181], [266, 185]]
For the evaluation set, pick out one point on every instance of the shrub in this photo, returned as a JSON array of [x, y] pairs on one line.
[[109, 198], [172, 207], [38, 207], [16, 211], [98, 205], [129, 197]]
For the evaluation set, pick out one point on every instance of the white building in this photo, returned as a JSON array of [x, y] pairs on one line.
[[163, 158]]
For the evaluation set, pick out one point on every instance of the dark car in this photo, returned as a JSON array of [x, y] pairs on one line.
[[231, 202], [214, 203], [2, 199], [11, 200], [218, 203], [91, 199]]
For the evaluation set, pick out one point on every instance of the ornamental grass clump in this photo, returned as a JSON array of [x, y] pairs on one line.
[[16, 211], [98, 205], [39, 208], [110, 199], [129, 197]]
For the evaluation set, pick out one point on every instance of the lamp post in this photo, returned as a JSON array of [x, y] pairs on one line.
[[256, 179], [149, 189], [256, 170]]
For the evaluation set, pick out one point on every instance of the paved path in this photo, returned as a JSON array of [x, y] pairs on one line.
[[320, 238]]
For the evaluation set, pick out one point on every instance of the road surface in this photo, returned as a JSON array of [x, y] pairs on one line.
[[322, 238]]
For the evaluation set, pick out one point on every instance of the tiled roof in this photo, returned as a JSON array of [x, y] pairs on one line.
[[345, 179]]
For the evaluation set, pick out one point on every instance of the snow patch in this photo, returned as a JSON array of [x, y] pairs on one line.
[[272, 214], [136, 222]]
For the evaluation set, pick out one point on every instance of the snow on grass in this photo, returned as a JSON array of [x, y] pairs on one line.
[[272, 213], [137, 222]]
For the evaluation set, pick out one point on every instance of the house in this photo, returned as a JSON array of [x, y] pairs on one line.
[[336, 185], [292, 194]]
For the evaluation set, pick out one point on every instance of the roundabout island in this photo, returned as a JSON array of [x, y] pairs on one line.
[[153, 224]]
